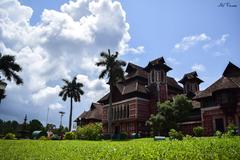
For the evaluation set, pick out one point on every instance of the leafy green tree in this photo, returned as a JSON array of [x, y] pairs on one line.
[[73, 90], [114, 72], [170, 113], [35, 125], [8, 127]]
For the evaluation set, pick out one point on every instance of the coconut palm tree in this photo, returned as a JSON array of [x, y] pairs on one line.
[[2, 89], [9, 67], [114, 72], [72, 90]]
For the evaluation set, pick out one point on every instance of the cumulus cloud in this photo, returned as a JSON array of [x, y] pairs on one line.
[[216, 43], [198, 67], [95, 88], [187, 42], [62, 44]]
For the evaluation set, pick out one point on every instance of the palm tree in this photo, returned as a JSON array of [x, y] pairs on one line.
[[114, 72], [9, 67], [2, 90], [72, 90]]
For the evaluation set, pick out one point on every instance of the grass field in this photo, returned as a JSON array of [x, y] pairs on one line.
[[195, 148]]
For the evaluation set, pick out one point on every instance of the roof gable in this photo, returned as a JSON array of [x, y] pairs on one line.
[[231, 70], [192, 76], [158, 63]]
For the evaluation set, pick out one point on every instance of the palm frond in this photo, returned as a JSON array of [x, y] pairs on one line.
[[103, 74], [101, 63], [16, 78]]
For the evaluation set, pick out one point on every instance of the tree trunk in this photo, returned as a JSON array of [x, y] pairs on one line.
[[70, 117], [110, 112]]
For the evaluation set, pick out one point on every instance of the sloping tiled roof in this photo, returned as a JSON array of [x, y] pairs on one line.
[[133, 66], [190, 76], [158, 62], [134, 87], [133, 84], [173, 83], [231, 70], [229, 80], [95, 112], [220, 84]]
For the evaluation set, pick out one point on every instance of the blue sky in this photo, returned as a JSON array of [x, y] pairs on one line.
[[190, 35], [159, 25]]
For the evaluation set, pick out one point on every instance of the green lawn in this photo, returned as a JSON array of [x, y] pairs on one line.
[[196, 148]]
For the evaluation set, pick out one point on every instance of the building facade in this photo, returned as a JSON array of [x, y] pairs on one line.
[[220, 102], [135, 99]]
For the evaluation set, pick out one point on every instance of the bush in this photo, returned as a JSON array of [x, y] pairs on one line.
[[188, 137], [9, 136], [198, 131], [175, 135], [123, 135], [91, 131], [218, 134], [232, 130], [69, 136], [55, 137], [43, 138]]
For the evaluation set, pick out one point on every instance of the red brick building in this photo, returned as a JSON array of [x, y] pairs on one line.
[[135, 99], [220, 102]]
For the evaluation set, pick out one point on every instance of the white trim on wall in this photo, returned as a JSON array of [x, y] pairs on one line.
[[210, 108], [127, 100]]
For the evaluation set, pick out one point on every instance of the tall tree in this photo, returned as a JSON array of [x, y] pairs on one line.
[[72, 90], [9, 67], [114, 72]]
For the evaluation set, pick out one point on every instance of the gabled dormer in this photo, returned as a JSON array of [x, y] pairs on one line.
[[157, 71], [191, 82], [135, 73]]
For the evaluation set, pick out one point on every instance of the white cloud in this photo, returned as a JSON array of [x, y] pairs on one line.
[[45, 94], [198, 67], [56, 106], [95, 88], [190, 41], [215, 43], [137, 50], [62, 44]]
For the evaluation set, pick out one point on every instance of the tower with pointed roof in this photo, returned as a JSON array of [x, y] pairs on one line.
[[157, 78], [191, 83]]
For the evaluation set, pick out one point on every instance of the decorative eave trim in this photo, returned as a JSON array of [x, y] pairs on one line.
[[190, 122], [126, 100]]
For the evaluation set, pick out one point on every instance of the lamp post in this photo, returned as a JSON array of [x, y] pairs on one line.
[[61, 115]]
